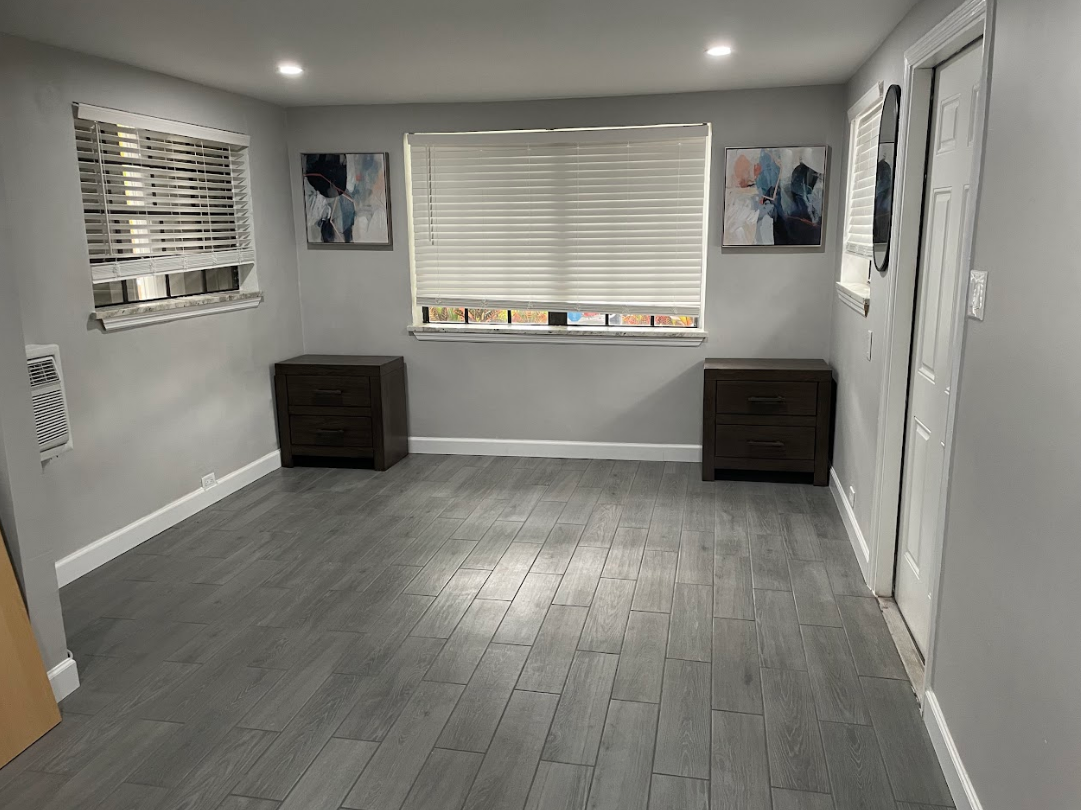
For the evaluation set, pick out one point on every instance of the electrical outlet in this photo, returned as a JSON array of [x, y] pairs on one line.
[[210, 480], [852, 497], [870, 339]]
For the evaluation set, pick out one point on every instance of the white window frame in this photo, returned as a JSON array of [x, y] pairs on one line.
[[531, 333], [141, 313], [854, 283]]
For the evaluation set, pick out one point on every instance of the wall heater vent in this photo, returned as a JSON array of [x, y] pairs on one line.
[[49, 400]]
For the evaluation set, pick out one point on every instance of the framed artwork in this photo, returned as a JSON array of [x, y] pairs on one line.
[[774, 196], [347, 199]]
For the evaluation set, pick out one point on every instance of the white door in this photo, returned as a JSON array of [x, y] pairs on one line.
[[946, 201]]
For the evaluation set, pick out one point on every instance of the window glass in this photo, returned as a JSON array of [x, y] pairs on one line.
[[146, 288], [678, 321], [487, 316], [585, 319], [222, 279], [108, 293], [446, 314], [534, 316], [191, 283]]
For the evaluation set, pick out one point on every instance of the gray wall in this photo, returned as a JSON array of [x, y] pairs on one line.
[[760, 303], [24, 518], [859, 380], [154, 408], [1008, 651]]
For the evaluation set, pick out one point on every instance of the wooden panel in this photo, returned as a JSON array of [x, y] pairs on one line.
[[767, 416], [26, 699], [331, 431], [755, 368], [761, 464], [329, 392], [340, 364], [767, 398], [765, 441]]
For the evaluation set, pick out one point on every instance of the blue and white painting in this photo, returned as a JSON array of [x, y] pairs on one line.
[[346, 199], [774, 196]]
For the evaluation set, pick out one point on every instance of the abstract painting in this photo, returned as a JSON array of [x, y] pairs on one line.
[[774, 196], [347, 199]]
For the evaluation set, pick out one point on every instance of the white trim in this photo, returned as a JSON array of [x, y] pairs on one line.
[[611, 335], [953, 768], [855, 295], [866, 101], [64, 678], [90, 112], [956, 32], [544, 448], [112, 545], [852, 526], [501, 137], [175, 309]]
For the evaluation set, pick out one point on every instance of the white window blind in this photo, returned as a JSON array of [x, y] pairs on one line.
[[161, 196], [606, 220], [863, 160]]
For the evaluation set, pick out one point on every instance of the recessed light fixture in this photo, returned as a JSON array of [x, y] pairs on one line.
[[289, 69], [719, 50]]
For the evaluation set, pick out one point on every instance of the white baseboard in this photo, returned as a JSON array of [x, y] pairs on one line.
[[99, 552], [543, 448], [64, 678], [964, 793], [852, 526]]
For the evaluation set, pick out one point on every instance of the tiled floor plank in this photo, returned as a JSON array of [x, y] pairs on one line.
[[345, 613], [621, 777]]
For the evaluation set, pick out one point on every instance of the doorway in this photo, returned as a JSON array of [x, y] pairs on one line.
[[947, 197]]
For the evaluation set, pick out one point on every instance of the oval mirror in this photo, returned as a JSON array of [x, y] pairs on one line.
[[884, 176]]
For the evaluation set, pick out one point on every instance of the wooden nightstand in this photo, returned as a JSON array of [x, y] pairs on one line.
[[767, 415], [342, 406]]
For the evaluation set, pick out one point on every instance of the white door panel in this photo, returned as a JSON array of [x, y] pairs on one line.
[[945, 206]]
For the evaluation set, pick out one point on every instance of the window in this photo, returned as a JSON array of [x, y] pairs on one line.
[[578, 229], [862, 159], [854, 285], [166, 207]]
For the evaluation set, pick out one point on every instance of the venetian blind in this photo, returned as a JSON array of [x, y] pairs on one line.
[[161, 196], [607, 220], [863, 157]]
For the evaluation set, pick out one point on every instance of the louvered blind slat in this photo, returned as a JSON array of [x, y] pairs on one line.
[[157, 202], [599, 220], [861, 182]]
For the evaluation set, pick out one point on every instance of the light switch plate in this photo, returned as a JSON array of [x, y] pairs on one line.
[[870, 340], [977, 294]]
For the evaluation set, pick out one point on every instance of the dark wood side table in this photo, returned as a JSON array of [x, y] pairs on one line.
[[767, 415], [342, 406]]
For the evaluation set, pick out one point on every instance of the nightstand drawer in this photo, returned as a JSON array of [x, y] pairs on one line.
[[330, 392], [331, 431], [764, 441], [767, 398]]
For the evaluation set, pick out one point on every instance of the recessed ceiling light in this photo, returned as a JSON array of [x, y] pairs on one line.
[[289, 69], [719, 50]]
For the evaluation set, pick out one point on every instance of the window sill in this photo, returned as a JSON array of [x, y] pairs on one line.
[[128, 316], [855, 296], [522, 333]]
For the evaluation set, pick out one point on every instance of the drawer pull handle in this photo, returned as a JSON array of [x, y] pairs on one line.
[[330, 430], [767, 400], [336, 392], [762, 443]]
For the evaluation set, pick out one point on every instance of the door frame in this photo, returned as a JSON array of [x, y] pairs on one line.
[[972, 20]]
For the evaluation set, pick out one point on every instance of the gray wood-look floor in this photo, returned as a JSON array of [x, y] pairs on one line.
[[488, 634]]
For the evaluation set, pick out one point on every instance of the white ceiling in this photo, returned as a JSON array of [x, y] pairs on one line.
[[357, 51]]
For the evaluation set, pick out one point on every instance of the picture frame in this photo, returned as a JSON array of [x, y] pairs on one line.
[[347, 199], [775, 196]]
